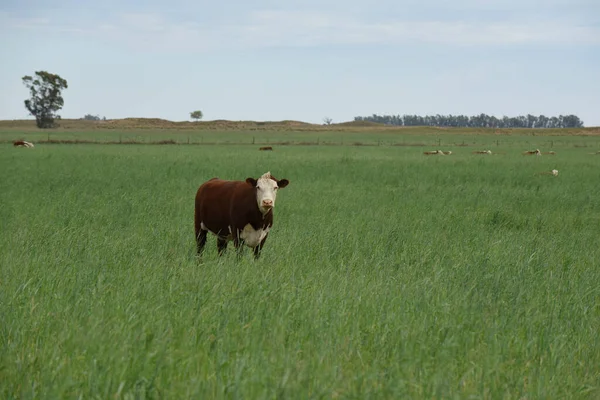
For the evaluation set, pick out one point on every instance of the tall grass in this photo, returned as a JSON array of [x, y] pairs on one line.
[[388, 274]]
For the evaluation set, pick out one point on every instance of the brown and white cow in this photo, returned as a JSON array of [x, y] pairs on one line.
[[535, 152], [22, 143], [241, 211]]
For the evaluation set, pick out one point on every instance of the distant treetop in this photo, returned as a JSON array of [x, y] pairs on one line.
[[197, 115], [90, 117]]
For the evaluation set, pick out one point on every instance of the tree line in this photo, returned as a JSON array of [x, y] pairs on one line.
[[477, 121]]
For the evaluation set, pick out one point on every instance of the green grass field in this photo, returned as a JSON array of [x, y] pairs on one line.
[[388, 274]]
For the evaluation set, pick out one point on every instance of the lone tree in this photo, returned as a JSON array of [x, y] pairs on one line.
[[197, 115], [46, 99], [327, 121]]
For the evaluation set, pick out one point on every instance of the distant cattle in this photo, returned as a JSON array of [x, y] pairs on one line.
[[482, 152], [437, 152], [266, 148], [554, 172], [22, 143], [238, 211], [535, 152]]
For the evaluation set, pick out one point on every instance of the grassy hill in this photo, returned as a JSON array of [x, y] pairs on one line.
[[287, 125]]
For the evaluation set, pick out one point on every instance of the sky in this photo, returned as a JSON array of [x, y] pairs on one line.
[[269, 60]]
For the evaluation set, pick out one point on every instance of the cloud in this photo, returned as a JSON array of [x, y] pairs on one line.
[[151, 32], [12, 24], [289, 28], [280, 28]]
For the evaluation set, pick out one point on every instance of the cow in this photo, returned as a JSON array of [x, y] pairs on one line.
[[22, 143], [489, 152], [266, 148], [238, 211], [554, 172], [535, 152], [435, 152]]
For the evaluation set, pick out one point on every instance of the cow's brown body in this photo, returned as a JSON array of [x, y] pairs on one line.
[[22, 143], [228, 209], [266, 148]]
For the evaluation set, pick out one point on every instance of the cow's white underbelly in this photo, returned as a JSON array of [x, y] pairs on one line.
[[253, 237], [205, 228]]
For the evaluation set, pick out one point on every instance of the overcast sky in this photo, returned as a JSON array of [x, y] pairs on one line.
[[305, 60]]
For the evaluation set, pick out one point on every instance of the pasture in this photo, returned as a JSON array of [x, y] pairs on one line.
[[388, 274]]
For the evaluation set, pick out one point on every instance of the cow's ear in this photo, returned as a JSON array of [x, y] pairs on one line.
[[283, 183], [251, 181]]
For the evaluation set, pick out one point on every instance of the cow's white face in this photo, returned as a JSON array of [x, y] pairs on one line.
[[266, 191]]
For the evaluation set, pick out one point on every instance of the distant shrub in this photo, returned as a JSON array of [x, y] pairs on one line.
[[90, 117]]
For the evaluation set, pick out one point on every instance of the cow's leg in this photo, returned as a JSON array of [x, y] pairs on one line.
[[240, 249], [200, 240], [221, 245], [258, 248], [238, 242]]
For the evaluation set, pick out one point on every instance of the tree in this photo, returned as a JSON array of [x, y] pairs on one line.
[[572, 121], [46, 99], [327, 121], [197, 115], [90, 117]]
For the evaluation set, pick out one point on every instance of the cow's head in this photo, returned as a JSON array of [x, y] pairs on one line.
[[266, 190]]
